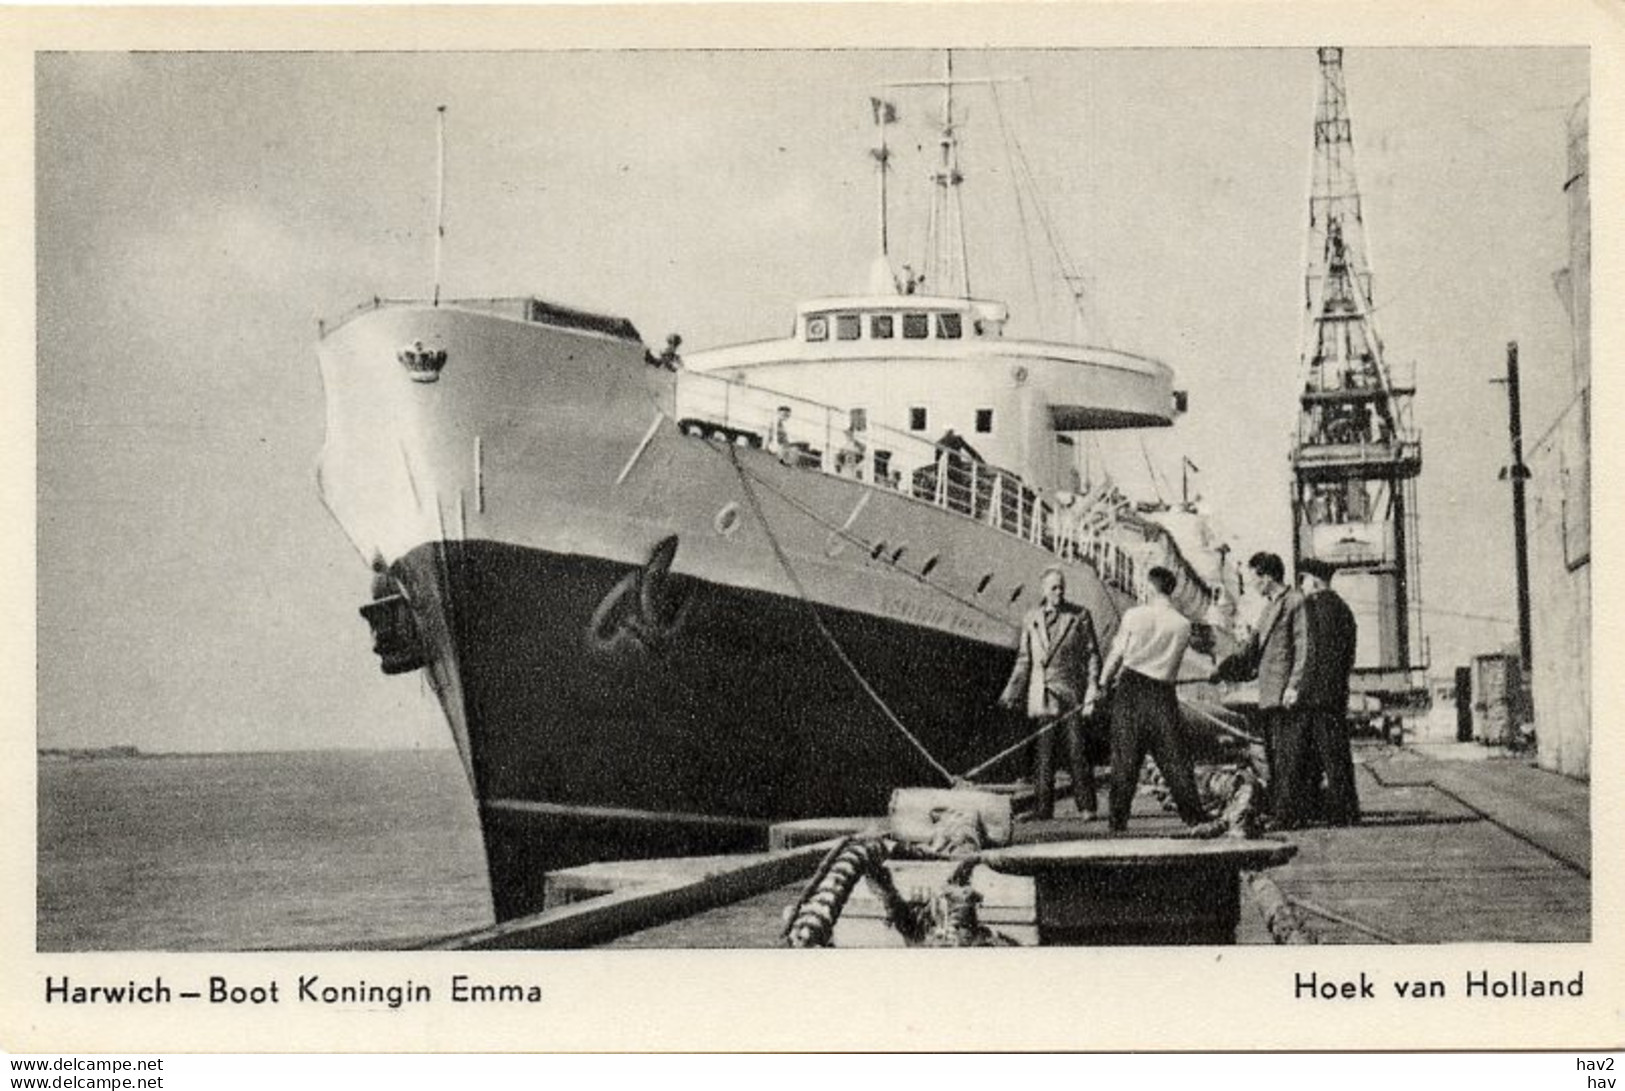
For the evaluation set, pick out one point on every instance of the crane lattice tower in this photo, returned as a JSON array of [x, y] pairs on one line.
[[1356, 456]]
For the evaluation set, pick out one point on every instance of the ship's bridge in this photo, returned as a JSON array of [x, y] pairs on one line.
[[893, 317], [925, 363]]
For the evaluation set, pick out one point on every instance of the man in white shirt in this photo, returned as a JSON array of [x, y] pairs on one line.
[[1144, 663]]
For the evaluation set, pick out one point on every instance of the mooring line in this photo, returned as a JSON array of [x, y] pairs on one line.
[[1218, 723], [1322, 911], [1049, 725], [818, 621]]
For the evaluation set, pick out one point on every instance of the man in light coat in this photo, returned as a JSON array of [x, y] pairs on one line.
[[1056, 680]]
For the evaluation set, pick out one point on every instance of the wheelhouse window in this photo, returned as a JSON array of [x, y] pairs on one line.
[[916, 327], [818, 328], [916, 416], [948, 325], [984, 420], [880, 327], [848, 327]]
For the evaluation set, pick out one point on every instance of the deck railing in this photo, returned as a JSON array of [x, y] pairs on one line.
[[827, 439], [516, 307]]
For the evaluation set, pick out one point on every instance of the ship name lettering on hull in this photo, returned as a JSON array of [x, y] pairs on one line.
[[938, 617]]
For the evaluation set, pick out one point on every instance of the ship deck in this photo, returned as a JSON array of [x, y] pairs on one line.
[[1457, 844]]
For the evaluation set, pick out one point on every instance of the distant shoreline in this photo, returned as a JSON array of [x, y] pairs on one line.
[[89, 753], [127, 753]]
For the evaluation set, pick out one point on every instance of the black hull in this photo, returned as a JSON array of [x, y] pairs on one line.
[[593, 737]]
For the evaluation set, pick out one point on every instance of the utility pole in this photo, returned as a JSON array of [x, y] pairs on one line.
[[1518, 473]]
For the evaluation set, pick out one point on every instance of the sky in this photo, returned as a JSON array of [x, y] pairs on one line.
[[196, 213]]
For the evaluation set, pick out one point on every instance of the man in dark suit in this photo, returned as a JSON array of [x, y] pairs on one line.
[[1275, 654], [1323, 694], [1056, 678]]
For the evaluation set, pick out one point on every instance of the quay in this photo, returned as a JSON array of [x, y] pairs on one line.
[[1458, 843]]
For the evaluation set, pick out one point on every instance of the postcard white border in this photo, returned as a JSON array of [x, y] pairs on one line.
[[1162, 999]]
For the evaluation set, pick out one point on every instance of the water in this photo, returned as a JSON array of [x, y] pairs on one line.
[[310, 850]]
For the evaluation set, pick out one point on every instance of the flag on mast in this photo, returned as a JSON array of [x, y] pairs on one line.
[[885, 112]]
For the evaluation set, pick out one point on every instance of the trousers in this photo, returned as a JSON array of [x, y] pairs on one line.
[[1145, 719], [1070, 730], [1327, 751]]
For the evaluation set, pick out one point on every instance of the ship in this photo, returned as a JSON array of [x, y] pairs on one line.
[[667, 600]]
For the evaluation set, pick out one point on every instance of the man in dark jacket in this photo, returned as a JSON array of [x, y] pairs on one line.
[[1275, 654], [1056, 678], [1323, 694]]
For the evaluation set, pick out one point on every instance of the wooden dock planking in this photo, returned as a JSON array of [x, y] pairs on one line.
[[1541, 807], [1452, 852], [1488, 851]]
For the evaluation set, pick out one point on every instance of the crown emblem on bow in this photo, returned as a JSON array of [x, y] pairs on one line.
[[422, 364]]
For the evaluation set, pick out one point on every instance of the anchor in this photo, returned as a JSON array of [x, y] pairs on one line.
[[643, 611]]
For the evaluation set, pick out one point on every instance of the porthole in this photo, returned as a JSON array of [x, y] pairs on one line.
[[727, 520]]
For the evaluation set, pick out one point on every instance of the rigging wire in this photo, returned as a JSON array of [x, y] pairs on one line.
[[1021, 209], [1157, 479], [1024, 176]]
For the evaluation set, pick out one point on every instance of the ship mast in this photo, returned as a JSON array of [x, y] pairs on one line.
[[439, 194], [947, 270], [885, 114], [948, 267]]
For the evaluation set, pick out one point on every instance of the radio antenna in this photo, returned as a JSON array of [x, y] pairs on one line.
[[439, 195]]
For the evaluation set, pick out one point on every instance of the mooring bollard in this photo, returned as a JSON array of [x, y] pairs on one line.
[[1143, 891]]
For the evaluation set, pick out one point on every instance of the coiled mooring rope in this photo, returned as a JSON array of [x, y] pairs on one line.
[[811, 921], [946, 917], [1237, 794]]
